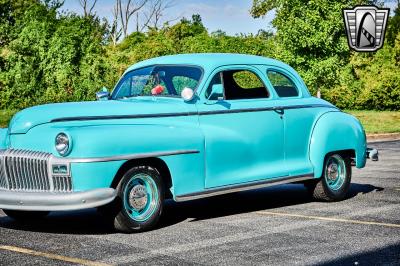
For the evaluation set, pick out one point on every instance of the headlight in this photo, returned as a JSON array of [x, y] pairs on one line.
[[63, 144]]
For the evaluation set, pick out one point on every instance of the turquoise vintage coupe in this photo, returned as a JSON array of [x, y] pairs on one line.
[[182, 127]]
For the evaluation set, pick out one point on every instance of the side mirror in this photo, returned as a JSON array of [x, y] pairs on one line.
[[103, 95], [187, 94], [217, 93]]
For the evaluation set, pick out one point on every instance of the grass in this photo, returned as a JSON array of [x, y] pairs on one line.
[[373, 121], [378, 121]]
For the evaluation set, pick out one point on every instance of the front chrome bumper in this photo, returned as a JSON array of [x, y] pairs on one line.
[[52, 201]]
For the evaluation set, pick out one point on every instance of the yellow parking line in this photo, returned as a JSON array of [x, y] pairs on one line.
[[327, 219], [53, 256]]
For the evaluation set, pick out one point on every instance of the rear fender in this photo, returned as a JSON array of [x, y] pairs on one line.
[[336, 131]]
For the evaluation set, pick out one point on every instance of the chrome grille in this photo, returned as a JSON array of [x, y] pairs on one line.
[[22, 170], [3, 182]]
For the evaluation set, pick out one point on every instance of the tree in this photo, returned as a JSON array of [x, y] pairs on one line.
[[149, 14], [154, 14], [10, 15], [311, 37], [87, 8], [127, 10], [53, 58], [115, 31], [394, 25]]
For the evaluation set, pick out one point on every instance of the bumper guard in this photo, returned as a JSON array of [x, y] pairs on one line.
[[372, 154]]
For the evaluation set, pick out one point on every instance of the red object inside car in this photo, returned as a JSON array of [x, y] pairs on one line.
[[157, 90]]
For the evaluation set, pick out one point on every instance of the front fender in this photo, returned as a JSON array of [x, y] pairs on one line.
[[187, 170], [336, 131], [104, 141], [108, 140]]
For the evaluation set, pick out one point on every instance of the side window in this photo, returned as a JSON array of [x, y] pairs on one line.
[[243, 84], [247, 80], [283, 86]]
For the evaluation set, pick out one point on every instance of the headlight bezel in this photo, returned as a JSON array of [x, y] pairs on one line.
[[63, 143]]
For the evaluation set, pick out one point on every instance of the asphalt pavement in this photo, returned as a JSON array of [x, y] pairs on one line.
[[276, 225]]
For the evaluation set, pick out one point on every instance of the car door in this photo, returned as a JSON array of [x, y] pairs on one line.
[[244, 135], [298, 118]]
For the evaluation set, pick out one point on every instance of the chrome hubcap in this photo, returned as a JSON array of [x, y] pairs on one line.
[[335, 172], [138, 197], [141, 197]]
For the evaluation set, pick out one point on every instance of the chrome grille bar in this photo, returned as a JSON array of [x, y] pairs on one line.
[[3, 178], [22, 170]]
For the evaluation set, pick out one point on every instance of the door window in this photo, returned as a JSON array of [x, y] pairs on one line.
[[238, 84]]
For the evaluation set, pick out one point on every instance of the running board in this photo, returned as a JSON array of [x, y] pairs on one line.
[[243, 187]]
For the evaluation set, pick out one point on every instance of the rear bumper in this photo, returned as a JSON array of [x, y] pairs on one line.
[[51, 201]]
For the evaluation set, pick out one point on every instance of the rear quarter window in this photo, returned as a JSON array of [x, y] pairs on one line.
[[282, 84]]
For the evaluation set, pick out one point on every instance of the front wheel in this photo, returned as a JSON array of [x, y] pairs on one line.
[[140, 197], [335, 181]]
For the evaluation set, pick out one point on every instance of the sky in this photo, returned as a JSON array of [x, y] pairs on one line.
[[231, 16]]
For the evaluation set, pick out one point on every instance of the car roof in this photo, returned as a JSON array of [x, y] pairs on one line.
[[209, 61]]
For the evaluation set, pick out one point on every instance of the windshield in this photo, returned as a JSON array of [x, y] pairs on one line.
[[167, 81]]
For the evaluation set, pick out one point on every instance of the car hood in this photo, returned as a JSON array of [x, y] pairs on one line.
[[26, 119]]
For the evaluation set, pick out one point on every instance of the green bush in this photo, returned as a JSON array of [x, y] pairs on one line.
[[52, 58], [47, 56]]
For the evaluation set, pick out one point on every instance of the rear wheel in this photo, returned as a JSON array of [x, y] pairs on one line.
[[25, 215], [335, 181], [140, 200]]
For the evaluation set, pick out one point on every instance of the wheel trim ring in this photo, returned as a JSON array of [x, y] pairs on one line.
[[152, 197], [337, 182]]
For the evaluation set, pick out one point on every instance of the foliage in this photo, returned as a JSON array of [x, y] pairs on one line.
[[310, 37], [5, 117], [52, 59], [49, 56], [394, 27]]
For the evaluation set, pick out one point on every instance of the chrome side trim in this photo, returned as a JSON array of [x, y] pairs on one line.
[[243, 187], [57, 160], [216, 112], [50, 201]]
